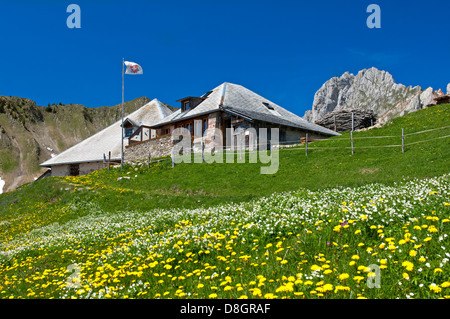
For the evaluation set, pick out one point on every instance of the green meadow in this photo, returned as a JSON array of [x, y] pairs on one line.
[[332, 224]]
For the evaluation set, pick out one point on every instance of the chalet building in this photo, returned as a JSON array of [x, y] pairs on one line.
[[88, 155], [227, 106], [149, 129]]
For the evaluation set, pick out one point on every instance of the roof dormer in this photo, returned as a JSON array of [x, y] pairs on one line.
[[130, 126], [190, 102]]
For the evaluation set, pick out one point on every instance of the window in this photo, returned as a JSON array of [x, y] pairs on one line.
[[190, 128], [129, 132], [205, 126], [206, 94], [187, 105], [282, 135], [270, 107], [197, 128]]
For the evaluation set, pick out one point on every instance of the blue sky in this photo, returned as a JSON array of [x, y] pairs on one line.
[[282, 50]]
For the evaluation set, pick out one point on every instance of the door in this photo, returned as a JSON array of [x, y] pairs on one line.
[[74, 169]]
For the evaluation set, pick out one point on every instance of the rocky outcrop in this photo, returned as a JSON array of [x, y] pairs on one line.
[[427, 97], [371, 89]]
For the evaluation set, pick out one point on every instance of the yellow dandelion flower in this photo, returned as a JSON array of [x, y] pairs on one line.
[[408, 265], [343, 276], [315, 268], [435, 288], [256, 292], [358, 278], [432, 229], [341, 288]]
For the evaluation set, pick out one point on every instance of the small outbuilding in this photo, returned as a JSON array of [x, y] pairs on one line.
[[88, 155]]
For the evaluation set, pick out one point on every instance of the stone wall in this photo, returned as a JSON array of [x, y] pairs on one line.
[[161, 146], [60, 170], [84, 168]]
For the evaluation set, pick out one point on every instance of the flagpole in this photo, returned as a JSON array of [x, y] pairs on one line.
[[123, 84]]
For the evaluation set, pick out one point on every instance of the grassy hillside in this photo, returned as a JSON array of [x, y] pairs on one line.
[[30, 134], [218, 230]]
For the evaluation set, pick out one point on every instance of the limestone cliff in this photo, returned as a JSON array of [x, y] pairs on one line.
[[370, 89]]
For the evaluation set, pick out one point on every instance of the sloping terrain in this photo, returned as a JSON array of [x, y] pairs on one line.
[[326, 225], [31, 134]]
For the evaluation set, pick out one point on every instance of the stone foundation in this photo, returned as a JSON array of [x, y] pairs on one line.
[[160, 146]]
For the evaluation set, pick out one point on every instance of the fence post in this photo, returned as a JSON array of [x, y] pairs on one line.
[[203, 150], [351, 137], [403, 140], [306, 145], [353, 125], [241, 142], [104, 160], [351, 133], [149, 157], [172, 154], [109, 160]]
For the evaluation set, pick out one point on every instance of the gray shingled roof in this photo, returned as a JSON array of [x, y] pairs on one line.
[[108, 139], [240, 100]]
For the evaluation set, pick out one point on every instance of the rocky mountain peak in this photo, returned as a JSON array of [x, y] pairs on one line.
[[371, 89]]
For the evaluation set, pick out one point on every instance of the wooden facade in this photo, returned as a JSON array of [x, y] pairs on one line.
[[142, 133]]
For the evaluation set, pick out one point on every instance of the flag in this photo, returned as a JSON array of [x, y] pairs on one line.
[[133, 68]]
